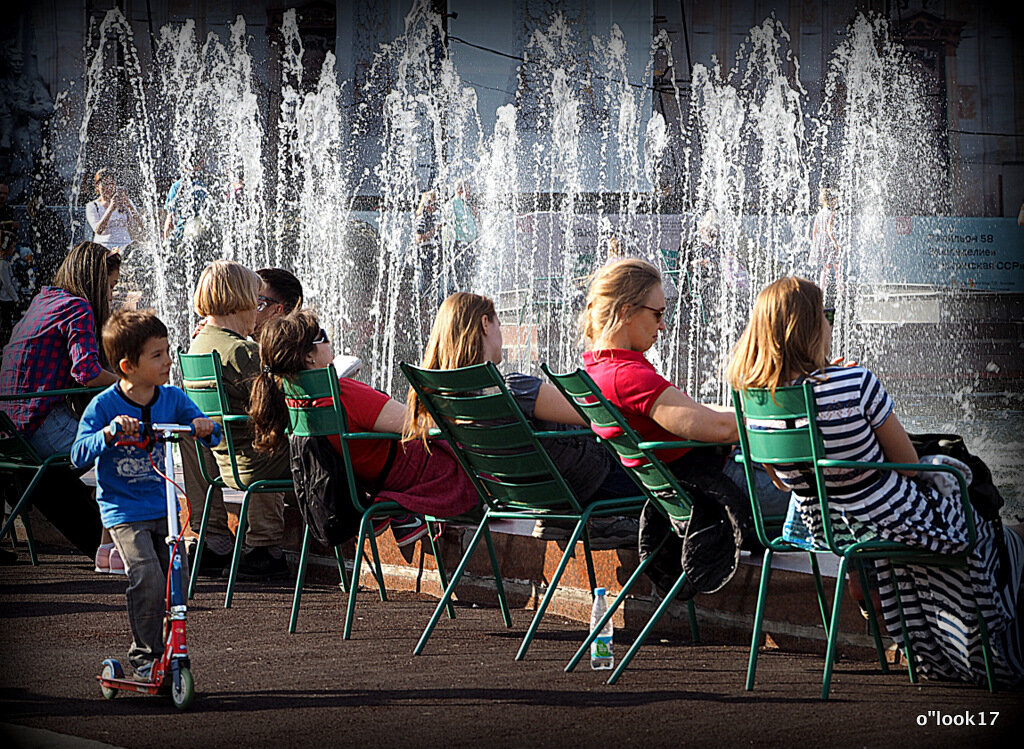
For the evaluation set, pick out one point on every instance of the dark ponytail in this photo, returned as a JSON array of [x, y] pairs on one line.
[[284, 343]]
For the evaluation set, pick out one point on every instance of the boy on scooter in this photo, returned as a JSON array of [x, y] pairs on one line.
[[130, 493]]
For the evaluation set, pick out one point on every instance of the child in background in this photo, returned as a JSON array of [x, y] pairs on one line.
[[130, 494]]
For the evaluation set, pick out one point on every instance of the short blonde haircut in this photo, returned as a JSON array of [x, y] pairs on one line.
[[615, 287], [224, 288], [785, 337]]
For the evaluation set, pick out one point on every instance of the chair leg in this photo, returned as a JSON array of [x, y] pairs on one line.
[[236, 555], [819, 588], [833, 630], [873, 623], [562, 564], [619, 599], [21, 505], [342, 572], [908, 648], [589, 558], [755, 639], [986, 652], [648, 628], [350, 608], [201, 544], [498, 584], [446, 596], [378, 572], [300, 577], [30, 540], [440, 567]]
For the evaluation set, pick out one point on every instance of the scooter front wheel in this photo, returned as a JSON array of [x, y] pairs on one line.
[[185, 691], [111, 670]]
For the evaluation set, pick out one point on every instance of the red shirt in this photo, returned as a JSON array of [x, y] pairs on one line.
[[632, 385], [363, 405]]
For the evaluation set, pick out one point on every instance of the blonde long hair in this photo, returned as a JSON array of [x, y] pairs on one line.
[[614, 287], [786, 336], [456, 340]]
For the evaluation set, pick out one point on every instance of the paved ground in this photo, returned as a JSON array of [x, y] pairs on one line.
[[258, 686]]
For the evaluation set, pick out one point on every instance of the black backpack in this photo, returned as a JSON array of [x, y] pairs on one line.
[[321, 489]]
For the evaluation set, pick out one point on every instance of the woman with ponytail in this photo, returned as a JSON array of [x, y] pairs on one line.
[[425, 482]]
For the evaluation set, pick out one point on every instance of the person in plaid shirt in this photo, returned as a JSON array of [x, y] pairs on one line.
[[54, 346]]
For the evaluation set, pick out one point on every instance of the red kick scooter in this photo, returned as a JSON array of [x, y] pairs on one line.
[[171, 673]]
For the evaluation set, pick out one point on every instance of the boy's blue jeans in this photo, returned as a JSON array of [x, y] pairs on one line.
[[144, 549]]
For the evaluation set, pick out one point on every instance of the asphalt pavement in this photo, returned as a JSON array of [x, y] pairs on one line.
[[259, 686]]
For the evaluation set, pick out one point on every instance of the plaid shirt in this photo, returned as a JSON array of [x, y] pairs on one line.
[[52, 347]]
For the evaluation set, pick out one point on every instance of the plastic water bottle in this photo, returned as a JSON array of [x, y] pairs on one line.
[[601, 656]]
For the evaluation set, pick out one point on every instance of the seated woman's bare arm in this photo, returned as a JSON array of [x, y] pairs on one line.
[[103, 379], [896, 445], [391, 418], [552, 406], [680, 414]]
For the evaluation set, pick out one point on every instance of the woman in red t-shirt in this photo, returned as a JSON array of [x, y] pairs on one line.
[[425, 483], [622, 319]]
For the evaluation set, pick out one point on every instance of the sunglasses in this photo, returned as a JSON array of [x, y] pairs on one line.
[[262, 302], [830, 315], [321, 338], [658, 313]]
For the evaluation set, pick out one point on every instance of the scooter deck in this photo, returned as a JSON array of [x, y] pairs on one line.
[[130, 685]]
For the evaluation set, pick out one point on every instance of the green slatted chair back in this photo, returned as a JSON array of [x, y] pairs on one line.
[[203, 381], [657, 480], [782, 428], [315, 410], [314, 403], [492, 438]]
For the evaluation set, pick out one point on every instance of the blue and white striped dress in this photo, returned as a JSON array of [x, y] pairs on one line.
[[938, 603]]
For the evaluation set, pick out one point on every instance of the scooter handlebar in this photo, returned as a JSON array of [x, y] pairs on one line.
[[155, 431]]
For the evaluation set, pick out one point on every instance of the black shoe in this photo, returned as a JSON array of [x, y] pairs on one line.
[[8, 557], [258, 564], [212, 564]]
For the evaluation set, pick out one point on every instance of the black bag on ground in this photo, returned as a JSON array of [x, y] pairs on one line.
[[321, 490]]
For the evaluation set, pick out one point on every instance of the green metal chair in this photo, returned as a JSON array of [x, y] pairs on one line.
[[203, 382], [19, 460], [511, 471], [785, 430], [657, 481], [315, 410]]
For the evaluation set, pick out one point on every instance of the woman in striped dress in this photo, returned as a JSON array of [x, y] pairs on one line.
[[787, 342]]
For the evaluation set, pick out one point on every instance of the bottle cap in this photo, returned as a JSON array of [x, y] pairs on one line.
[[599, 591]]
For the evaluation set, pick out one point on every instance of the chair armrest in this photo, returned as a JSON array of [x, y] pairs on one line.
[[680, 443], [564, 433], [234, 418], [924, 467], [371, 436], [52, 393]]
